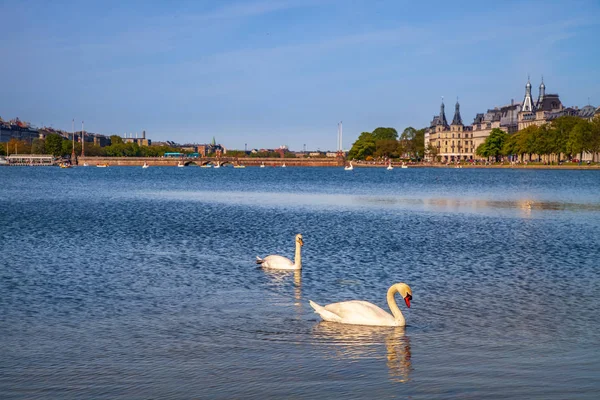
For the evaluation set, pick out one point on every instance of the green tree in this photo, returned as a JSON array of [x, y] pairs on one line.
[[493, 145], [594, 145], [116, 139], [419, 143], [385, 134], [363, 146], [431, 151], [580, 138], [386, 148], [407, 138], [54, 144], [38, 146]]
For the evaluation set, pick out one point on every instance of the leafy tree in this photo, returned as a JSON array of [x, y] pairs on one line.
[[363, 146], [2, 149], [594, 144], [386, 148], [116, 139], [407, 141], [579, 138], [431, 151], [419, 143], [493, 144], [385, 134], [54, 144], [38, 146], [526, 140]]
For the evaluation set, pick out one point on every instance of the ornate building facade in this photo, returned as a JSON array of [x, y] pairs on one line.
[[456, 142], [452, 142]]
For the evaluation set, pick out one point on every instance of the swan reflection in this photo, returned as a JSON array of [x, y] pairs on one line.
[[357, 342], [281, 278]]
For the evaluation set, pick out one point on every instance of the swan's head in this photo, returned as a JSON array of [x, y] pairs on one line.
[[405, 291], [299, 239]]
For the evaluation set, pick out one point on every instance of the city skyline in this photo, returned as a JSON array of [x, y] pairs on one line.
[[270, 73]]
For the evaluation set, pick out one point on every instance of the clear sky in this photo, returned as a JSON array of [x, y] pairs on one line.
[[275, 72]]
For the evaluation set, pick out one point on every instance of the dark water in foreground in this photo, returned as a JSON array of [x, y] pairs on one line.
[[135, 284]]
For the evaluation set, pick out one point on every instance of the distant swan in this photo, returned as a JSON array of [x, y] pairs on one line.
[[357, 312], [349, 168], [389, 167], [279, 262]]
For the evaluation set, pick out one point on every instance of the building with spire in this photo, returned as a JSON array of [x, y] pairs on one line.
[[452, 142], [458, 142], [546, 108]]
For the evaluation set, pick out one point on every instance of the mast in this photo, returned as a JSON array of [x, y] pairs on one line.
[[82, 141], [73, 133]]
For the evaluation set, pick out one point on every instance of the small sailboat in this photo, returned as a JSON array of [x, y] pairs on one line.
[[145, 165], [389, 167], [180, 164], [349, 167]]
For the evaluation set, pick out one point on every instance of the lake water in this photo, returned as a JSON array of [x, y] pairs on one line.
[[134, 284]]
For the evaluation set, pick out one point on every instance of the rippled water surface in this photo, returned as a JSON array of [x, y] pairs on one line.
[[134, 284]]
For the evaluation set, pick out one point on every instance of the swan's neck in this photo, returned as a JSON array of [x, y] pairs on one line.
[[298, 256], [394, 307]]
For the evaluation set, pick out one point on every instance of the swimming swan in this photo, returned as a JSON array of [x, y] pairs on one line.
[[350, 167], [279, 262], [357, 312]]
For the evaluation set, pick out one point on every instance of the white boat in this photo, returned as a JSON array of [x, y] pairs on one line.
[[101, 165], [404, 166], [283, 166], [239, 166], [145, 165], [349, 167], [389, 167], [180, 164], [206, 166]]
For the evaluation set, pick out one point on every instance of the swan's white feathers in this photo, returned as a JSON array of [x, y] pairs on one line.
[[324, 313], [356, 312], [278, 262]]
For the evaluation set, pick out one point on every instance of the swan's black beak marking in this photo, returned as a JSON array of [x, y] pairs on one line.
[[407, 300]]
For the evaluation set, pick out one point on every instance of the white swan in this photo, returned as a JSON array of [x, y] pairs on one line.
[[389, 167], [357, 312], [349, 168], [145, 165], [279, 262]]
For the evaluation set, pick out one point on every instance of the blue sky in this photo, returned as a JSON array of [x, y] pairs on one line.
[[275, 72]]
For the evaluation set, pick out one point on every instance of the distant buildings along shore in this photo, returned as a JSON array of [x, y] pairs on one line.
[[457, 141]]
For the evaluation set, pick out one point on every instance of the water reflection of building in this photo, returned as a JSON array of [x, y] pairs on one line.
[[354, 342]]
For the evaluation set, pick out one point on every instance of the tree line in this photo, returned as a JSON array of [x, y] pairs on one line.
[[384, 143], [59, 146], [568, 136]]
